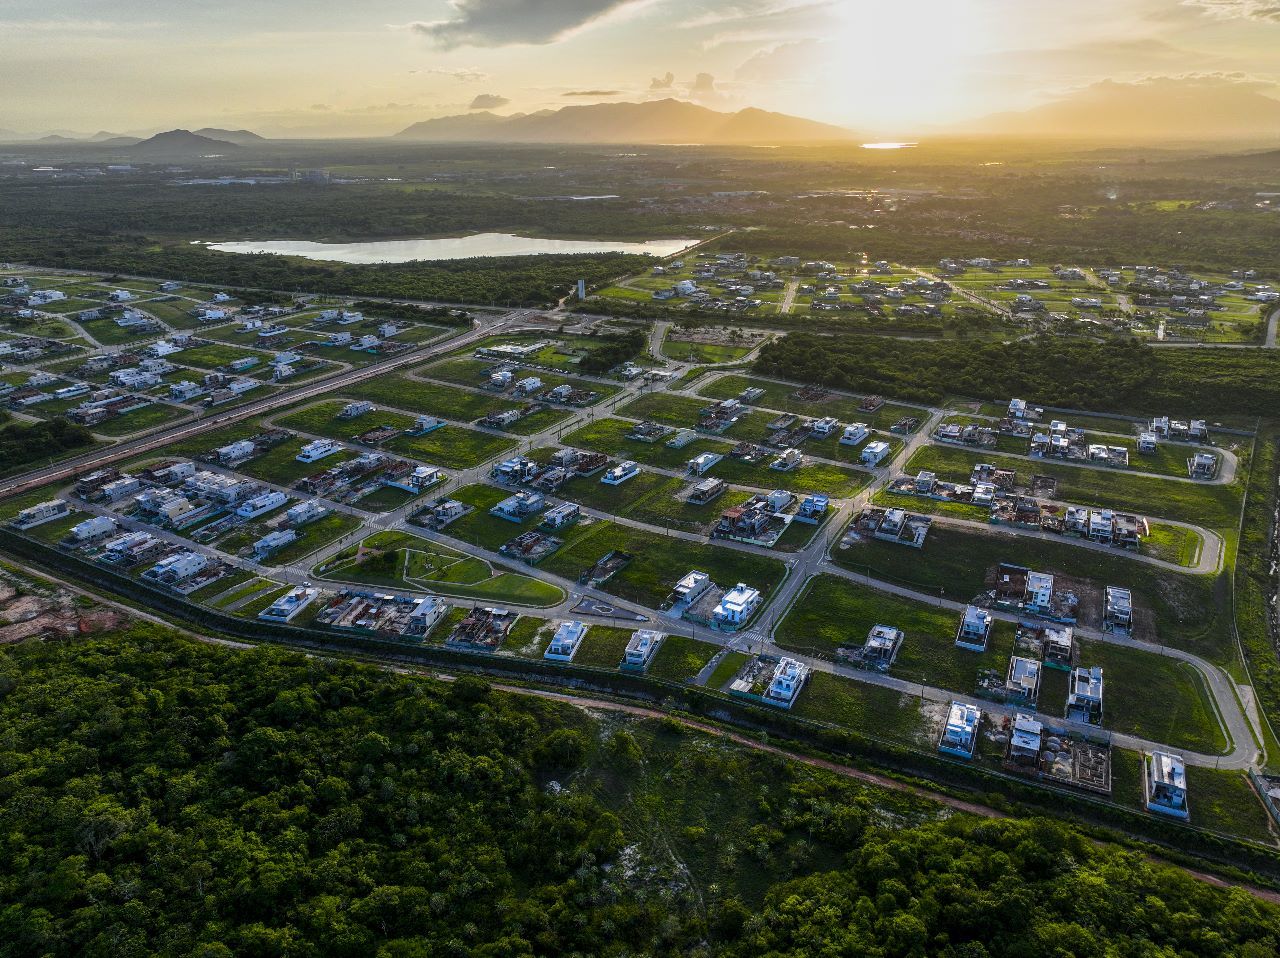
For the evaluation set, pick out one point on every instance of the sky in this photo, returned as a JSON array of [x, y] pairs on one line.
[[371, 67]]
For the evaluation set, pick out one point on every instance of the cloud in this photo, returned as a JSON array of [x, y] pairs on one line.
[[593, 93], [488, 101], [703, 87], [464, 74], [664, 82], [500, 23], [1266, 10]]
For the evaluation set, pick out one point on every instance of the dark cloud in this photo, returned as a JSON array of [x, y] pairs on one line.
[[593, 93], [488, 101], [500, 23], [663, 82]]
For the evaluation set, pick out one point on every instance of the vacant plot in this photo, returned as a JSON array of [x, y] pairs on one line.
[[214, 355], [658, 562], [680, 658], [1217, 507], [314, 536], [730, 664], [684, 411], [781, 397], [867, 709], [834, 613], [1185, 611], [702, 352], [148, 417], [474, 372], [280, 465], [602, 647], [417, 396]]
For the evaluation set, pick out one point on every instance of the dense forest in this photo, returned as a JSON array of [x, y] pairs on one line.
[[22, 444], [162, 797], [1076, 374]]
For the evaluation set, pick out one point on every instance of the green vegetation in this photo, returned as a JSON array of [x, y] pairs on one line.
[[148, 417], [730, 664], [680, 658], [1185, 611], [23, 446], [315, 535], [869, 709], [602, 647], [1053, 371], [781, 397], [1214, 506]]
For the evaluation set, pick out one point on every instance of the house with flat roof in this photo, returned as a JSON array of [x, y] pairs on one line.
[[564, 644], [854, 434], [736, 607], [975, 629], [1025, 739], [1164, 783], [289, 605], [641, 648], [1202, 466], [40, 513], [1084, 701], [1117, 609], [1022, 682], [874, 453], [960, 734], [318, 449], [690, 588]]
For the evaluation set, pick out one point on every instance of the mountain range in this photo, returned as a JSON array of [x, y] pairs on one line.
[[1164, 108], [656, 121], [182, 144]]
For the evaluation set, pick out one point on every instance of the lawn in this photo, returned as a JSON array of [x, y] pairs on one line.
[[474, 372], [602, 647], [833, 612], [867, 709], [148, 417], [680, 658], [1176, 544], [684, 411], [315, 535], [1183, 610], [779, 396], [702, 352], [1217, 507], [658, 562], [609, 436], [452, 447], [280, 465], [438, 399], [213, 355], [251, 609], [730, 664]]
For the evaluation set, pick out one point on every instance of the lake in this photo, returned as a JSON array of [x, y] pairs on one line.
[[456, 247]]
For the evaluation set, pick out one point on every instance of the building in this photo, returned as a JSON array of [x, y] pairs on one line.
[[1203, 466], [261, 504], [788, 460], [1039, 592], [564, 644], [690, 588], [288, 605], [121, 488], [641, 648], [562, 515], [429, 611], [882, 646], [236, 452], [1022, 682], [519, 507], [789, 677], [1084, 703], [1165, 784], [975, 629], [854, 434], [736, 607], [318, 449], [960, 734], [875, 453], [354, 409], [701, 463], [813, 509], [305, 512], [273, 542], [620, 473], [92, 529], [1024, 743], [40, 513], [177, 568], [1117, 609]]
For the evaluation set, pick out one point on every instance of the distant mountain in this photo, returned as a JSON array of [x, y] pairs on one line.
[[182, 144], [103, 135], [119, 141], [53, 139], [656, 121], [1163, 108], [238, 137]]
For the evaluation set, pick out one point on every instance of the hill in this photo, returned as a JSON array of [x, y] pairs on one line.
[[1163, 108], [182, 143], [238, 137], [657, 121]]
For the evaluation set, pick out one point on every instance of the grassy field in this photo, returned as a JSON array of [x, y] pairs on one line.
[[834, 612], [212, 355], [778, 396], [474, 372], [451, 447], [148, 417], [702, 352], [280, 465], [680, 658], [609, 436], [602, 647], [1217, 507], [438, 399], [728, 666], [315, 535], [869, 709], [1185, 611], [684, 411], [1176, 544]]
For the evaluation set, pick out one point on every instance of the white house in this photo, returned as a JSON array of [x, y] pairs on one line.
[[975, 628], [273, 542], [789, 677], [1165, 784], [93, 528], [736, 606], [1039, 596], [701, 463], [261, 504], [288, 605], [40, 513], [178, 567], [620, 473], [641, 648], [564, 644], [960, 734], [305, 512], [318, 449], [874, 453]]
